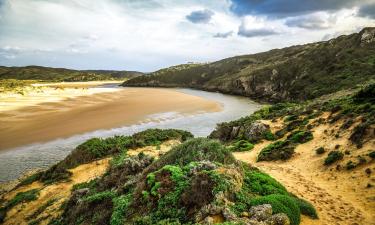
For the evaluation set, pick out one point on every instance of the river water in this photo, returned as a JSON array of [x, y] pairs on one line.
[[17, 161]]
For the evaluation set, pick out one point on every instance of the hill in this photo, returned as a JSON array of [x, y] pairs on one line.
[[295, 73], [61, 74]]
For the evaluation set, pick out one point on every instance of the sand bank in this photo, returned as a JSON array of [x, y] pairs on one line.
[[51, 118]]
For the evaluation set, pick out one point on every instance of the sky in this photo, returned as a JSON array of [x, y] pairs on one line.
[[146, 35]]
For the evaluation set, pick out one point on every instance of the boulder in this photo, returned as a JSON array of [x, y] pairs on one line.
[[255, 131], [260, 212]]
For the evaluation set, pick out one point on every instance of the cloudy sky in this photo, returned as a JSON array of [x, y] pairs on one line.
[[146, 35]]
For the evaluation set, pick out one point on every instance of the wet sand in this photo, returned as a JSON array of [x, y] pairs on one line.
[[64, 117]]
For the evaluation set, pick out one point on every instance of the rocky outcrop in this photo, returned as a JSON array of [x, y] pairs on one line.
[[258, 215], [252, 132], [367, 36]]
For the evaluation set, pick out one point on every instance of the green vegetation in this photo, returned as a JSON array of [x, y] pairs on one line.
[[278, 150], [300, 137], [120, 206], [332, 157], [372, 154], [307, 208], [320, 150], [60, 74], [241, 146], [197, 149], [22, 197], [100, 196]]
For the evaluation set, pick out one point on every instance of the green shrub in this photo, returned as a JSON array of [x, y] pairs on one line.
[[268, 135], [300, 136], [120, 206], [320, 150], [41, 209], [197, 149], [350, 165], [307, 208], [100, 196], [290, 118], [30, 179], [281, 204], [372, 154], [241, 146], [333, 157], [156, 136], [278, 150]]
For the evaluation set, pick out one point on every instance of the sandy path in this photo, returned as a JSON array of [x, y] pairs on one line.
[[51, 120], [340, 197]]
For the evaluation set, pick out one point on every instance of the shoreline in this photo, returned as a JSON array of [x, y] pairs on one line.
[[70, 116]]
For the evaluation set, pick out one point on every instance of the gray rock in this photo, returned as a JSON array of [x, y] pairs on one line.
[[260, 212], [278, 219], [368, 36], [254, 132]]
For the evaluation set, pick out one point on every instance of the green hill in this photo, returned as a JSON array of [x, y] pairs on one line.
[[295, 73], [61, 74]]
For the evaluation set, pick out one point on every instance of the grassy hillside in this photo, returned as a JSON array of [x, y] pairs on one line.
[[61, 74], [290, 74]]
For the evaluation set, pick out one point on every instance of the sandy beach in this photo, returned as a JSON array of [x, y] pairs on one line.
[[49, 113]]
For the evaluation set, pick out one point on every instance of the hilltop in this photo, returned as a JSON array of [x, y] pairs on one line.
[[61, 74], [295, 73]]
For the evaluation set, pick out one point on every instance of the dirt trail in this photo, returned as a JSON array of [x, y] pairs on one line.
[[340, 196]]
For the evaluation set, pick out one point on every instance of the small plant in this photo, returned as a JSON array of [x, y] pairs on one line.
[[372, 154], [307, 208], [22, 197], [300, 136], [333, 157], [268, 135], [241, 146], [278, 150], [320, 150], [350, 165]]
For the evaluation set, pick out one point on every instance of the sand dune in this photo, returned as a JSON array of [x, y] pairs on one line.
[[64, 117]]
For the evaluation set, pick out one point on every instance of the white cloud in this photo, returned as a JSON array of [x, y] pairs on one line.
[[140, 35]]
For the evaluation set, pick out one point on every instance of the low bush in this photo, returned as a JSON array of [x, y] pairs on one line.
[[372, 154], [197, 149], [278, 150], [120, 206], [262, 183], [350, 165], [268, 135], [320, 150], [241, 146], [300, 137], [332, 157]]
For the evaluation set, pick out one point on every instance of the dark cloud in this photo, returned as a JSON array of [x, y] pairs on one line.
[[285, 8], [367, 11], [256, 32], [200, 16], [223, 35], [310, 22]]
